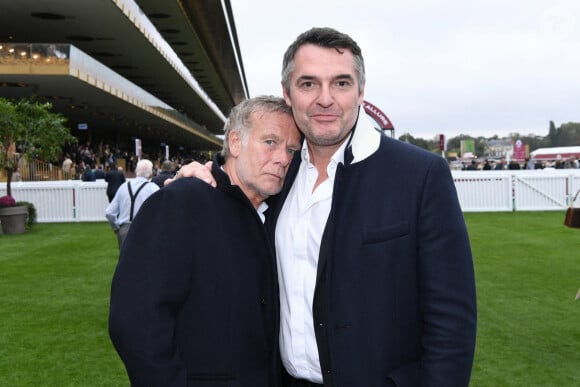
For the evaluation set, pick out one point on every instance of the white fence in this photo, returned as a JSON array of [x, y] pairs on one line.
[[525, 190], [483, 191], [63, 201]]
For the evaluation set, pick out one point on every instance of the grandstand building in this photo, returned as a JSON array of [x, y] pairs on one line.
[[164, 72]]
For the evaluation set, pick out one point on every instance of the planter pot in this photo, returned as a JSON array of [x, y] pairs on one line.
[[13, 219]]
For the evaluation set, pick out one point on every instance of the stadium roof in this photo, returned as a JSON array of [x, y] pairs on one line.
[[161, 71]]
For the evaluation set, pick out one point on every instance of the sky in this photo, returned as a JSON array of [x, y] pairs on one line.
[[474, 67]]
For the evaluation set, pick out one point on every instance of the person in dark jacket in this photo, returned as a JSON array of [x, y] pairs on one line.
[[166, 173], [376, 275], [114, 178], [194, 300]]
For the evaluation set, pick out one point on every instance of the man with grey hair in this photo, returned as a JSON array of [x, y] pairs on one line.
[[194, 301], [165, 173], [128, 200]]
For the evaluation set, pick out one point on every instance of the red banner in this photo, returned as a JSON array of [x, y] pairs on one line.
[[377, 115], [519, 150]]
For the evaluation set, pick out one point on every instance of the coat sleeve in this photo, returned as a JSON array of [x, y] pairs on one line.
[[447, 283], [149, 286]]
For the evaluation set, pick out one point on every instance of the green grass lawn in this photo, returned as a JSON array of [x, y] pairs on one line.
[[54, 294], [527, 273]]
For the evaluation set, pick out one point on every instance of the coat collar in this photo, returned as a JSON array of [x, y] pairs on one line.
[[225, 184], [222, 179], [365, 139]]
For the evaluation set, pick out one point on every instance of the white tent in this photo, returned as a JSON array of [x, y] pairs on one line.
[[556, 153]]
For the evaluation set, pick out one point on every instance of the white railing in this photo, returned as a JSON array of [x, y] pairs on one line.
[[478, 191], [63, 201], [536, 190]]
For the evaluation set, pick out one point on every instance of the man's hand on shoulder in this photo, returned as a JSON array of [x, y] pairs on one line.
[[195, 169]]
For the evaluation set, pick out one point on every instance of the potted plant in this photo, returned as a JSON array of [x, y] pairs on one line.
[[28, 128], [12, 217]]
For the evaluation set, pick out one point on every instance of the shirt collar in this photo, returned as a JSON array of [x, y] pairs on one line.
[[337, 158], [261, 211]]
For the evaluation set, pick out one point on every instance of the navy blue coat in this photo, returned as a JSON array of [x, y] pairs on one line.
[[194, 299], [395, 294]]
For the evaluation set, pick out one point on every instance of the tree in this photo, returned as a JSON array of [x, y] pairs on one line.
[[552, 133], [29, 128], [421, 143], [567, 134]]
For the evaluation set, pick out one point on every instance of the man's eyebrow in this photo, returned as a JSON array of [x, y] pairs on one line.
[[312, 77], [305, 78]]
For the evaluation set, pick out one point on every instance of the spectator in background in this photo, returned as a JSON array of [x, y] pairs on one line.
[[99, 173], [66, 167], [114, 177], [472, 166], [129, 198], [16, 175], [500, 165], [530, 163], [165, 173], [87, 172], [514, 165]]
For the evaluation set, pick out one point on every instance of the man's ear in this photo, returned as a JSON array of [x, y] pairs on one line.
[[361, 96], [286, 96], [235, 143]]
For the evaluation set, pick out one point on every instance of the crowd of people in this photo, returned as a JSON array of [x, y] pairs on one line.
[[530, 164], [88, 162]]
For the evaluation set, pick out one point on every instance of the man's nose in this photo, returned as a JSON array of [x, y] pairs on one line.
[[283, 156], [325, 97]]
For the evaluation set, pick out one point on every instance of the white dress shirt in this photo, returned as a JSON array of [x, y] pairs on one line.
[[298, 235], [261, 211]]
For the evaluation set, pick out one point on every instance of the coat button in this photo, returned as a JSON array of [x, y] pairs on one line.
[[263, 301]]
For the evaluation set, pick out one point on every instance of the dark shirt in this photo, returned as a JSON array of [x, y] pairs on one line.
[[115, 178], [99, 173], [161, 177], [89, 175]]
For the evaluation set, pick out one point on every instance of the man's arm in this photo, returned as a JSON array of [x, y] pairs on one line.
[[112, 213], [149, 286], [447, 284]]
